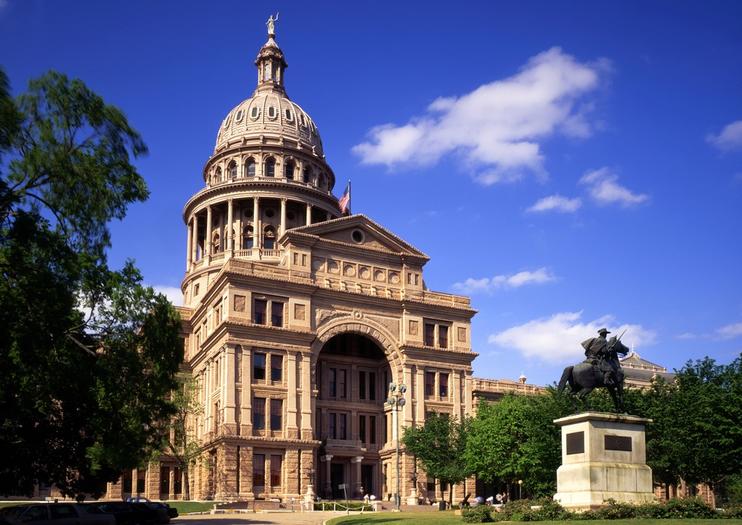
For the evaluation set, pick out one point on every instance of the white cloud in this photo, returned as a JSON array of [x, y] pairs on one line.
[[603, 187], [556, 203], [686, 336], [730, 138], [557, 338], [730, 331], [497, 128], [498, 282], [174, 294]]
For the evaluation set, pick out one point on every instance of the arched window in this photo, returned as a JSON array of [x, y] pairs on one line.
[[217, 176], [270, 167], [306, 175], [321, 181], [248, 239], [250, 167], [288, 169], [232, 170], [269, 238]]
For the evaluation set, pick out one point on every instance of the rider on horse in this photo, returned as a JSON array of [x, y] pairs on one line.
[[598, 353]]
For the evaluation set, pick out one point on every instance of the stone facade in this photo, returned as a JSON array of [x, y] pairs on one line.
[[296, 317]]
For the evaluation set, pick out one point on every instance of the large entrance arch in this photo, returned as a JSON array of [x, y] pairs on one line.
[[352, 372]]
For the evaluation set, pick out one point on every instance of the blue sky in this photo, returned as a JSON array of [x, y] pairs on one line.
[[568, 165]]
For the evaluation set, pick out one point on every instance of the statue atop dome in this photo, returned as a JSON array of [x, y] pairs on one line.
[[271, 23]]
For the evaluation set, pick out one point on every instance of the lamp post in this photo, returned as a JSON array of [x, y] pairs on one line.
[[520, 489], [396, 401]]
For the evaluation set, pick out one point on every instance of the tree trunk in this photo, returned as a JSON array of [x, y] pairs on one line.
[[186, 481], [450, 495]]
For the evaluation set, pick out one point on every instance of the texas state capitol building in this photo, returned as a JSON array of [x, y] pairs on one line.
[[297, 318]]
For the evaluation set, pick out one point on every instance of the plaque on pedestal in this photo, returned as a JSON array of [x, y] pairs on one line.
[[603, 457]]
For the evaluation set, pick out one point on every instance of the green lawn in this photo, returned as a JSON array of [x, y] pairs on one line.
[[184, 507], [449, 518]]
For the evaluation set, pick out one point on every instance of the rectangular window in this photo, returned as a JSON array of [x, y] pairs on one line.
[[429, 384], [372, 386], [258, 312], [429, 334], [442, 336], [276, 414], [258, 367], [276, 367], [342, 419], [258, 470], [372, 429], [361, 385], [276, 313], [276, 463], [362, 428], [258, 413], [443, 386], [333, 382], [332, 425], [341, 392]]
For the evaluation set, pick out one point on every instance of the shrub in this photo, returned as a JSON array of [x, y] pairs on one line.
[[548, 510], [688, 508], [478, 514], [513, 510], [616, 511]]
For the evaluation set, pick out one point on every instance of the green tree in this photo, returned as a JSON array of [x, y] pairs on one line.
[[88, 354], [439, 446], [708, 421], [515, 439], [180, 440]]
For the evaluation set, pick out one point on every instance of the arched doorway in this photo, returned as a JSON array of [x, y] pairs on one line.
[[352, 374]]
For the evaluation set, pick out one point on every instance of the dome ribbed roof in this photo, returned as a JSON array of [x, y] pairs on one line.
[[269, 112]]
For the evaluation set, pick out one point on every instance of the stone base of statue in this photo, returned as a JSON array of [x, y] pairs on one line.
[[603, 457], [412, 498]]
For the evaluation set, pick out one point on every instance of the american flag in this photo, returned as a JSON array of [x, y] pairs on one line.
[[344, 201]]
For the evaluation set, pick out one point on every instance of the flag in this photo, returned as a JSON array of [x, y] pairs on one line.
[[344, 202]]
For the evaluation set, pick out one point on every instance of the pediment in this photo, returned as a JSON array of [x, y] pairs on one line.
[[361, 232]]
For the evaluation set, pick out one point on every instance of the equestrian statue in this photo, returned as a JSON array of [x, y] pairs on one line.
[[601, 368]]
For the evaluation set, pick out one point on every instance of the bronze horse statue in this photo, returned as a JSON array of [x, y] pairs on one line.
[[585, 377]]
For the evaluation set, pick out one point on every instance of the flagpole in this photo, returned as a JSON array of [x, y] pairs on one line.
[[350, 199]]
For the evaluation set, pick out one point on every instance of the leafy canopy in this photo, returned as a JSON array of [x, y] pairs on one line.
[[88, 353]]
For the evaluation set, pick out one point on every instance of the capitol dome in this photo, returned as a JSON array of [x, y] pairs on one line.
[[269, 112]]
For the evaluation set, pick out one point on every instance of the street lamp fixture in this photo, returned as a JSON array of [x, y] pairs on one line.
[[396, 401]]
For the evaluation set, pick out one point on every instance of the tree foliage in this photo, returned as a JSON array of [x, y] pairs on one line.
[[88, 353], [180, 441], [515, 439], [439, 446]]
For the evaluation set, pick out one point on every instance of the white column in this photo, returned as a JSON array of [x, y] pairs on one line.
[[283, 217], [291, 395], [257, 238], [194, 242], [189, 240], [228, 387], [229, 230], [420, 396], [207, 240], [246, 401], [306, 397], [309, 214], [455, 384], [407, 409]]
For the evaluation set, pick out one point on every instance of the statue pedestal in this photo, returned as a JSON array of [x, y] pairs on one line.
[[603, 457], [412, 498]]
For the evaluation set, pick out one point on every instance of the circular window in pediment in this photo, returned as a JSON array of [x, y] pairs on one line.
[[357, 236]]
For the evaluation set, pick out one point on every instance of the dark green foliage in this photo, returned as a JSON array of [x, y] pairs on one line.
[[87, 354], [516, 439], [513, 510], [439, 445], [547, 510], [478, 514]]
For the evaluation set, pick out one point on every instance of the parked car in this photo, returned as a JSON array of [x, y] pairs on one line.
[[164, 511], [58, 514], [128, 513]]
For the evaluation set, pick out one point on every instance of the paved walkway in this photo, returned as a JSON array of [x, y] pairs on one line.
[[259, 518]]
